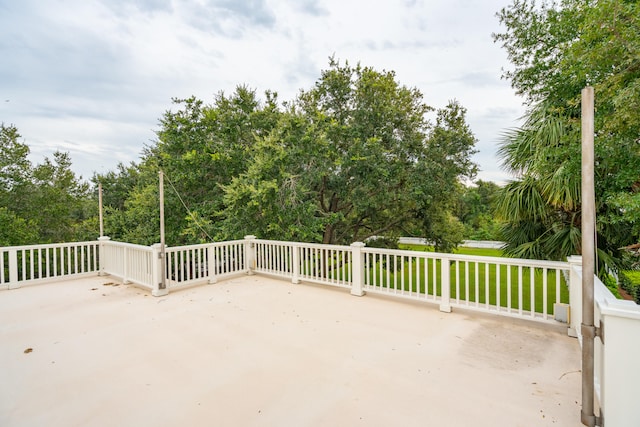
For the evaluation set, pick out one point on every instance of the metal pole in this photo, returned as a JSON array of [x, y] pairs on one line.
[[588, 417], [100, 208], [163, 267]]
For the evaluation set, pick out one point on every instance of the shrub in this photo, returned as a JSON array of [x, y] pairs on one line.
[[382, 242], [630, 282], [612, 284]]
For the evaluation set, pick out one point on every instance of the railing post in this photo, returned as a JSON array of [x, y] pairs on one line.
[[295, 267], [249, 254], [13, 269], [156, 272], [102, 256], [575, 296], [357, 269], [211, 264], [445, 286]]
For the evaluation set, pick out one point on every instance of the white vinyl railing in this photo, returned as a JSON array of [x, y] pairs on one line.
[[21, 265], [504, 285], [274, 258], [205, 263], [185, 265], [519, 287], [513, 287], [129, 262], [326, 264]]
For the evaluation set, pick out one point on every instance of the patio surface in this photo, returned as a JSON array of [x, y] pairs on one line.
[[255, 351]]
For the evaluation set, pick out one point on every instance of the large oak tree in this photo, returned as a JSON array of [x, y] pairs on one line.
[[351, 158]]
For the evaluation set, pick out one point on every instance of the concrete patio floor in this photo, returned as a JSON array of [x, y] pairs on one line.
[[255, 351]]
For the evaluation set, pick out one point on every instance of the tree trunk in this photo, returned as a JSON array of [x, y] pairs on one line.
[[328, 237]]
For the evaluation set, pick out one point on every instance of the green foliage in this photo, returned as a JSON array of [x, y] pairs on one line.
[[557, 49], [612, 284], [15, 171], [476, 208], [117, 185], [14, 230], [630, 282], [383, 242], [40, 204], [58, 198], [352, 158]]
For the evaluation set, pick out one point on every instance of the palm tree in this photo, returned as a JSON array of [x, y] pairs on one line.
[[541, 208]]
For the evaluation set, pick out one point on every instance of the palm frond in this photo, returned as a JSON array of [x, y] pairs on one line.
[[520, 200]]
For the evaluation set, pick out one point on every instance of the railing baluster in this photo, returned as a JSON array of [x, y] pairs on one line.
[[2, 267], [544, 294], [31, 274], [532, 288], [520, 290], [558, 273], [75, 259], [477, 284], [487, 289], [410, 266], [498, 286], [457, 281], [466, 282], [67, 267]]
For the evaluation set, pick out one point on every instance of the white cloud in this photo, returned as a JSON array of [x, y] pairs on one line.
[[94, 77]]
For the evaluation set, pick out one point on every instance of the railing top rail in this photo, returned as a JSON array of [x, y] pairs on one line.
[[202, 245], [461, 257], [49, 245], [300, 244], [127, 245]]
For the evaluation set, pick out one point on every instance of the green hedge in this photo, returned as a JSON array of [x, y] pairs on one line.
[[630, 282], [611, 283]]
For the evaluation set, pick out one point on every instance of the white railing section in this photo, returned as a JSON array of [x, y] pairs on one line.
[[325, 264], [274, 258], [129, 262], [21, 265], [516, 287], [404, 273], [187, 265], [520, 287], [512, 287], [205, 263]]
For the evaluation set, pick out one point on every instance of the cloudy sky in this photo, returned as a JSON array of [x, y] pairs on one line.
[[93, 77]]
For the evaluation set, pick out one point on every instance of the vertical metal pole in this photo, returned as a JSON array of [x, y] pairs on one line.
[[100, 209], [163, 266], [588, 257]]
